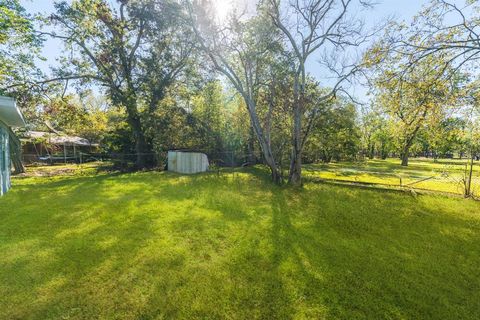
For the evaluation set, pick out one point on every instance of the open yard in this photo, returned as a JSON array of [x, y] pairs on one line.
[[157, 245], [445, 175]]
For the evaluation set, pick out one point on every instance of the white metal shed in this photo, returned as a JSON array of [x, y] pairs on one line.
[[187, 162]]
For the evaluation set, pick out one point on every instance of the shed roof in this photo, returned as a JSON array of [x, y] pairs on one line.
[[9, 113], [58, 139]]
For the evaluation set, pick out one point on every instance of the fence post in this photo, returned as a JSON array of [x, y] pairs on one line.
[[231, 164], [468, 191]]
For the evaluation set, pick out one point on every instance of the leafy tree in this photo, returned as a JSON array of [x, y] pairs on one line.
[[376, 138], [445, 28], [209, 109], [129, 49], [446, 137], [19, 49], [243, 51], [182, 120], [443, 37], [18, 45], [118, 138], [415, 98], [239, 134], [320, 25], [336, 135]]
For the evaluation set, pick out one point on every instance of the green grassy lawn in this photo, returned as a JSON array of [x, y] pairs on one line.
[[162, 246], [447, 174]]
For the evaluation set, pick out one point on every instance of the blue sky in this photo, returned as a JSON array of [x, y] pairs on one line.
[[399, 9]]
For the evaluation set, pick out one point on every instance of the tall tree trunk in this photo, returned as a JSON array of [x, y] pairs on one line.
[[295, 176], [405, 154], [371, 151], [270, 160], [251, 146], [141, 147], [408, 143], [383, 152], [264, 143]]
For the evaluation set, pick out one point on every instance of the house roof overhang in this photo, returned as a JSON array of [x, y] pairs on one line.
[[10, 114]]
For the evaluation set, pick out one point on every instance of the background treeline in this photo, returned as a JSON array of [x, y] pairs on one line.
[[144, 76]]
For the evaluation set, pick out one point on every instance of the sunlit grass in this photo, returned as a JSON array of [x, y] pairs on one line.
[[160, 246], [443, 175]]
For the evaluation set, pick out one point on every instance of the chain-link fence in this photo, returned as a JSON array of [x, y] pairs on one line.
[[217, 159], [459, 177]]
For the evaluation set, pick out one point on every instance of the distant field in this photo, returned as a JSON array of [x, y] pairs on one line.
[[157, 245], [443, 175]]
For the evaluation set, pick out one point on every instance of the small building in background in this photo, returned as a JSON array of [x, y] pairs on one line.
[[10, 117], [187, 162], [54, 146]]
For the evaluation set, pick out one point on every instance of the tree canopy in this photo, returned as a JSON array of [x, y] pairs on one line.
[[145, 76]]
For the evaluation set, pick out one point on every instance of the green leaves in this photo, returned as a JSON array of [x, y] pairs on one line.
[[15, 25], [19, 48]]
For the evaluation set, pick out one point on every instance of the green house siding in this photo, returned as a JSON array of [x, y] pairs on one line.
[[10, 117], [4, 160]]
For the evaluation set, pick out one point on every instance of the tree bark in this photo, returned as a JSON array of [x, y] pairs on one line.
[[404, 155], [267, 153], [141, 146], [133, 119], [251, 146], [264, 142], [295, 176], [371, 151], [270, 160], [383, 152], [409, 142]]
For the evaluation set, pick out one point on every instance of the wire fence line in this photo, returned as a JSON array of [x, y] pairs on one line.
[[451, 179], [159, 158], [446, 180]]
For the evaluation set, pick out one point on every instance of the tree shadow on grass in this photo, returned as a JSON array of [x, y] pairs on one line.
[[72, 232], [84, 237], [354, 260], [160, 245]]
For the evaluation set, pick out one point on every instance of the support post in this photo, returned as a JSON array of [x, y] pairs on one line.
[[468, 191]]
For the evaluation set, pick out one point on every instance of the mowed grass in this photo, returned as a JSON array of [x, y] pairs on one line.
[[162, 246], [445, 175]]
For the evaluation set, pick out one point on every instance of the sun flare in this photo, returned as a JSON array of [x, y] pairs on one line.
[[222, 9]]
